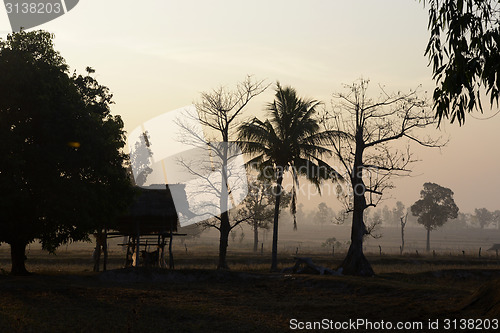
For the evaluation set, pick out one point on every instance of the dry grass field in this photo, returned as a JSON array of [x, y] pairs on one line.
[[63, 295]]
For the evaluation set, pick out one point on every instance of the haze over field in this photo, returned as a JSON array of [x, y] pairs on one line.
[[157, 56]]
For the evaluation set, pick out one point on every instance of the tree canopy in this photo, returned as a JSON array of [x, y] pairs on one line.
[[62, 173], [463, 50], [435, 207]]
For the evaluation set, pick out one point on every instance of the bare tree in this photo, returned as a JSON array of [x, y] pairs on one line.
[[368, 127], [218, 112], [403, 219]]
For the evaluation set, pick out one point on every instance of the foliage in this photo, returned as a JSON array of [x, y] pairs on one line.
[[258, 206], [62, 173], [463, 49], [483, 216], [435, 207], [391, 217], [324, 214]]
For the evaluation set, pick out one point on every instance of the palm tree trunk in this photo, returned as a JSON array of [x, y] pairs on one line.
[[274, 257]]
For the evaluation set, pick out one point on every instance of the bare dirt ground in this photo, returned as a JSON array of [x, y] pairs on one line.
[[64, 296]]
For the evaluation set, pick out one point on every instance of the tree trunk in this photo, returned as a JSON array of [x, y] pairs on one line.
[[274, 256], [97, 256], [255, 236], [225, 228], [355, 263], [18, 258], [428, 247]]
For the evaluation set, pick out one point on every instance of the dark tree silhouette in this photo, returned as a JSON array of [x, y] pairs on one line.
[[62, 173], [289, 140], [468, 62], [366, 127], [219, 112], [403, 220], [434, 208]]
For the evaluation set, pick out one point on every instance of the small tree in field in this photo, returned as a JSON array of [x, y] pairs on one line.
[[258, 207], [434, 208], [365, 127]]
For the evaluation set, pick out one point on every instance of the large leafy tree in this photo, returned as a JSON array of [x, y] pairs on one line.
[[289, 140], [463, 49], [62, 173], [435, 207]]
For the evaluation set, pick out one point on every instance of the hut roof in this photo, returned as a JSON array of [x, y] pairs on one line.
[[494, 247], [152, 211]]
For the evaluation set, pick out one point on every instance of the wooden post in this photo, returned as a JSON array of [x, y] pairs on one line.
[[380, 250], [137, 246], [158, 248], [170, 254], [479, 252], [262, 249], [162, 259]]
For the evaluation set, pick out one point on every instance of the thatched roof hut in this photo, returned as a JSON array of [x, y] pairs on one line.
[[152, 211]]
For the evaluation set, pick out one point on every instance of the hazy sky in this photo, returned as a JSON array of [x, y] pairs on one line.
[[157, 56]]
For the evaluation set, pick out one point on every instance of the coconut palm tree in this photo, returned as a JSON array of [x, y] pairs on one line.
[[289, 140]]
